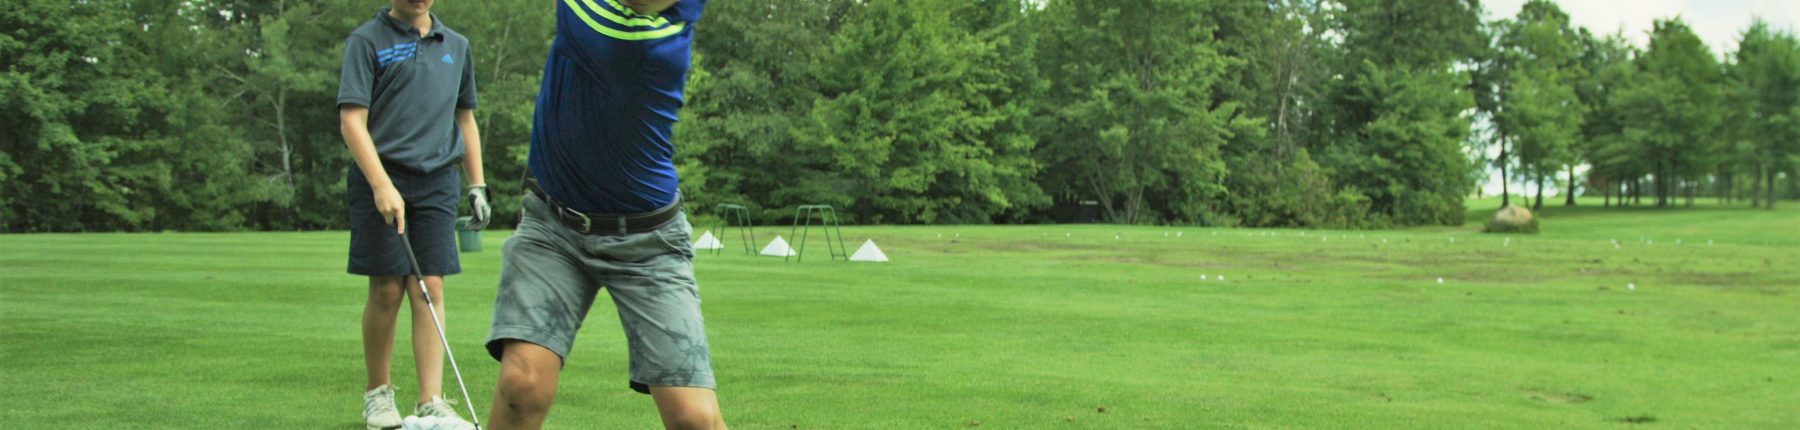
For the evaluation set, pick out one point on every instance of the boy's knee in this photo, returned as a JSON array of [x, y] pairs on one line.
[[526, 388], [690, 413], [433, 283], [386, 291], [694, 419]]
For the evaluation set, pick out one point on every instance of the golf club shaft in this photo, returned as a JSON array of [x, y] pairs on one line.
[[432, 308]]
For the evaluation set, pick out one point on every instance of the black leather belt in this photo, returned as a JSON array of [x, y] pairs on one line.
[[590, 223]]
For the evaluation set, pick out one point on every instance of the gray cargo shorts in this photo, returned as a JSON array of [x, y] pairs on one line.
[[549, 275]]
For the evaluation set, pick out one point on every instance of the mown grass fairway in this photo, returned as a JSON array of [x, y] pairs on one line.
[[996, 327]]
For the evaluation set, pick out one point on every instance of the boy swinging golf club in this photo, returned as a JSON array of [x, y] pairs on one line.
[[602, 212], [406, 103]]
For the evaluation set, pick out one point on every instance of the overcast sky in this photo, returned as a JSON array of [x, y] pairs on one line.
[[1718, 22]]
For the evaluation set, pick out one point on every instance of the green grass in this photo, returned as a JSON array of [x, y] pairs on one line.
[[1008, 327]]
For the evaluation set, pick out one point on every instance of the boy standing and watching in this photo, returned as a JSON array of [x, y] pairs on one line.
[[406, 102]]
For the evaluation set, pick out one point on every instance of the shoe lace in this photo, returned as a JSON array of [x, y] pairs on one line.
[[379, 403], [439, 407]]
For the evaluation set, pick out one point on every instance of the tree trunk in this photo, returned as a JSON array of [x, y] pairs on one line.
[[1571, 200], [1769, 202], [1134, 201], [1606, 200], [1793, 184], [1637, 192], [1624, 193], [1539, 204], [1105, 198], [1662, 186], [287, 153], [1756, 187], [1692, 188], [1725, 183], [1505, 193], [1283, 135]]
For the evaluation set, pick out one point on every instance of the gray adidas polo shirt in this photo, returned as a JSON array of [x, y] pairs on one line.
[[412, 86]]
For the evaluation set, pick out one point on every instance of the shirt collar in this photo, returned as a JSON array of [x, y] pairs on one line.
[[437, 26]]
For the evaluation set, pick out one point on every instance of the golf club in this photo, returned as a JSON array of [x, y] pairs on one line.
[[429, 307]]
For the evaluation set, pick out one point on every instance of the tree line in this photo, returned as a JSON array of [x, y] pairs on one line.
[[208, 115]]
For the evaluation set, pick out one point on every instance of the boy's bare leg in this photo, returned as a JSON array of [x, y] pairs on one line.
[[428, 353], [688, 408], [379, 315], [528, 375]]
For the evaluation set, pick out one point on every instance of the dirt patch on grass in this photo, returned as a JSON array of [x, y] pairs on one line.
[[1730, 280], [1204, 262], [1561, 398], [1112, 258], [1032, 245]]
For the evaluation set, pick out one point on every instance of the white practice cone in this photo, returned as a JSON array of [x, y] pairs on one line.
[[707, 241], [870, 253], [778, 248]]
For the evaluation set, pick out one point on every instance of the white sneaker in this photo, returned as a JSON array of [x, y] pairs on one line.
[[378, 409], [436, 415]]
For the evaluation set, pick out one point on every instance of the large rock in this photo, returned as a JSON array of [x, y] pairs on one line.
[[1513, 219], [1513, 215]]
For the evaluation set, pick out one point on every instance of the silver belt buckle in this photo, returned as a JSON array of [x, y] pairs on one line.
[[587, 224]]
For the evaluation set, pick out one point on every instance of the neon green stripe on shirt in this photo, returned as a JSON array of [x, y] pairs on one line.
[[638, 22], [620, 34]]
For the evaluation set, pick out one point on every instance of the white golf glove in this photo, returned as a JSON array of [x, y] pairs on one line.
[[479, 210]]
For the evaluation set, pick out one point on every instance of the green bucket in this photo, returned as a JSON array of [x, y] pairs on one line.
[[468, 240]]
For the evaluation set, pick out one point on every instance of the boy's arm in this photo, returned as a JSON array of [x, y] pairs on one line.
[[471, 134], [479, 210], [466, 101], [354, 124], [355, 84]]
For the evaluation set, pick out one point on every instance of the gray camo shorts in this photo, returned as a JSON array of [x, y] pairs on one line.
[[550, 274]]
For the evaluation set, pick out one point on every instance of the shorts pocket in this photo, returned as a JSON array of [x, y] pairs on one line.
[[675, 236]]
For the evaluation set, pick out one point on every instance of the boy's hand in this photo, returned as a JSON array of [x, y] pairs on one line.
[[391, 206], [479, 210]]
